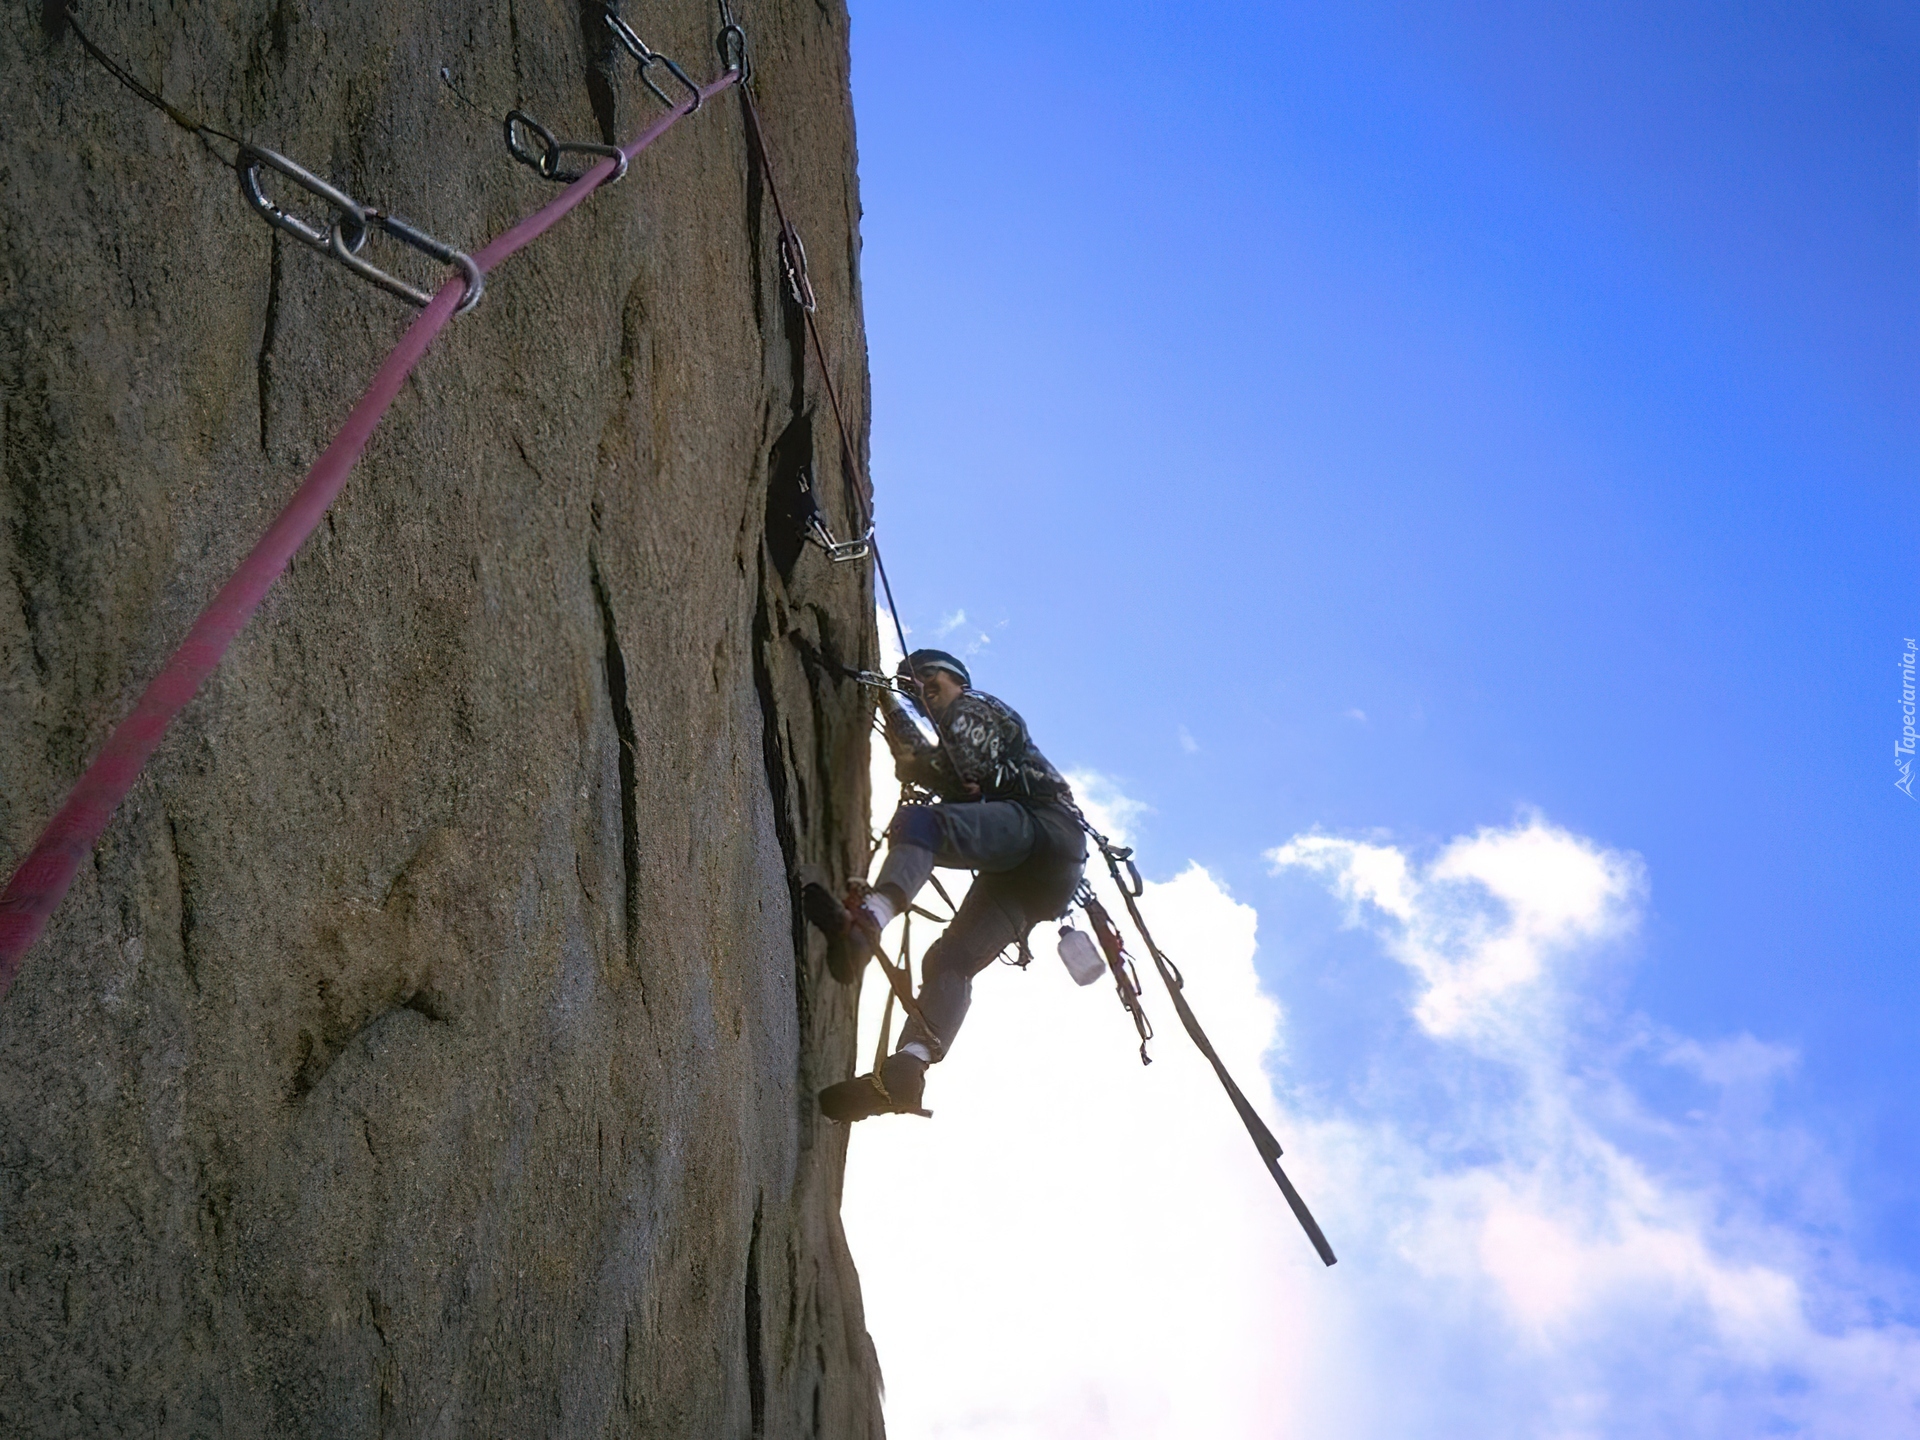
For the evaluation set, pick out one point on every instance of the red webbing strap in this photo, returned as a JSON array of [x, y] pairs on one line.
[[41, 881]]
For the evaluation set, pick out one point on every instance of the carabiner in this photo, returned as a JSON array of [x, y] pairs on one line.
[[793, 259], [252, 157], [547, 161], [419, 240], [646, 59]]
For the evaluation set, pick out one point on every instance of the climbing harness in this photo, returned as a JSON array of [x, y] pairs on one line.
[[42, 879]]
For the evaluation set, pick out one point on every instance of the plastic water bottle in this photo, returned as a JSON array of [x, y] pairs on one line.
[[1081, 957]]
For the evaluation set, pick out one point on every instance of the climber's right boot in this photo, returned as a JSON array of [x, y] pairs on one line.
[[853, 935], [896, 1089]]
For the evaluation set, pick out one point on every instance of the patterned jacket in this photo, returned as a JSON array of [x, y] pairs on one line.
[[986, 744]]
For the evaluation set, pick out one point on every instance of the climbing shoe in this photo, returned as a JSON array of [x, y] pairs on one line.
[[895, 1090], [852, 936]]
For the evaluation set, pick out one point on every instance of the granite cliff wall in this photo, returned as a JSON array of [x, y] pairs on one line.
[[428, 1048]]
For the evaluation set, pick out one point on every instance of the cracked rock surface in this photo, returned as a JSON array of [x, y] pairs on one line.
[[429, 1047]]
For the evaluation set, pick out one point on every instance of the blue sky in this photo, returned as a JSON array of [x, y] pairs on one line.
[[1398, 423]]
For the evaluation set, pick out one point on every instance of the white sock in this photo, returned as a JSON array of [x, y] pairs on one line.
[[919, 1052], [880, 907]]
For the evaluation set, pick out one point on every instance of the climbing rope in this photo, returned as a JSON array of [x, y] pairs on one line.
[[42, 879], [793, 261]]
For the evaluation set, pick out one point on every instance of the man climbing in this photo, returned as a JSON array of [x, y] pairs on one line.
[[998, 808]]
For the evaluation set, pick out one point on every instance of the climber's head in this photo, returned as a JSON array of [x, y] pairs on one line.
[[942, 678]]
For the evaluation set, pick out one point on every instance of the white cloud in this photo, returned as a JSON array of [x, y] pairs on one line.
[[1355, 713], [1485, 917], [1077, 1246], [1188, 744], [1594, 1293], [953, 622]]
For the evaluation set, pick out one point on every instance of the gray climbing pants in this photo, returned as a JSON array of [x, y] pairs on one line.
[[994, 837]]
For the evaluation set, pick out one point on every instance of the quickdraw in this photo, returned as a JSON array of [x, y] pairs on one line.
[[346, 234], [818, 532]]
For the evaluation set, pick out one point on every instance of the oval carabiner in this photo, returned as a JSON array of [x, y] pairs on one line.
[[348, 210], [547, 161], [645, 59], [476, 282], [543, 161]]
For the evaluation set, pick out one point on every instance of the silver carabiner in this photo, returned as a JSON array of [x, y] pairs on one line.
[[840, 552], [732, 43], [419, 240], [346, 235], [646, 59], [252, 157], [547, 161]]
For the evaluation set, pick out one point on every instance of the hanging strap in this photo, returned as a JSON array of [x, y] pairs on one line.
[[1126, 978], [886, 1015], [1170, 976], [900, 981]]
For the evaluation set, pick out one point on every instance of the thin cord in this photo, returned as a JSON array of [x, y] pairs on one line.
[[159, 102]]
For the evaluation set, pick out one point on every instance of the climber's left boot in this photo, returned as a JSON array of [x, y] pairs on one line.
[[895, 1089]]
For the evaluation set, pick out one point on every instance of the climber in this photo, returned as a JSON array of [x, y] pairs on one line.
[[999, 809]]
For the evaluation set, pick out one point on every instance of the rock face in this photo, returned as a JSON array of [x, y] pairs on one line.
[[429, 1048]]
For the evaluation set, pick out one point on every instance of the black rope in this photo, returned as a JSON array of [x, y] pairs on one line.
[[861, 487], [119, 72]]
